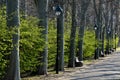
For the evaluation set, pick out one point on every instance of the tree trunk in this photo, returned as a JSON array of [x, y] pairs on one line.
[[71, 62], [99, 27], [111, 24], [42, 7], [23, 8], [106, 18], [13, 23], [84, 6], [117, 21]]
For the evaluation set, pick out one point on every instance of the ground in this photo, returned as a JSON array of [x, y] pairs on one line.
[[104, 68]]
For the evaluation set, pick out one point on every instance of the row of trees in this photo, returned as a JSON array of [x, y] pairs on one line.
[[101, 15]]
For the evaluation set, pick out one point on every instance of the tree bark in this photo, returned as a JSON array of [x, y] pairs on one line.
[[42, 7], [13, 23], [106, 18], [23, 8], [71, 62], [84, 6], [98, 12], [112, 10]]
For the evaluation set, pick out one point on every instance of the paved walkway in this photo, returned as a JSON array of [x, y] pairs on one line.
[[107, 68]]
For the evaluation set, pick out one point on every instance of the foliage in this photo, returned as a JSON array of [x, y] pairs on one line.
[[5, 45], [89, 44], [30, 44], [52, 40], [115, 41], [66, 42], [88, 49], [52, 45]]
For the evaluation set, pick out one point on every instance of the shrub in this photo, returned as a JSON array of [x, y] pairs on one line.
[[89, 44], [52, 43], [5, 45], [31, 44]]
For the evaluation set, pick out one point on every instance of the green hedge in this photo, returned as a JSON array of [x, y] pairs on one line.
[[5, 45], [31, 44], [89, 44]]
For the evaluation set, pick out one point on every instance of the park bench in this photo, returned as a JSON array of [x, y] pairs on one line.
[[78, 63]]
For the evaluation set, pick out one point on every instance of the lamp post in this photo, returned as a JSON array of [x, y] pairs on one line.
[[58, 11], [115, 40], [108, 45], [96, 55]]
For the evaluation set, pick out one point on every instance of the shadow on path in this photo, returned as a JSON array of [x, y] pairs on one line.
[[108, 69]]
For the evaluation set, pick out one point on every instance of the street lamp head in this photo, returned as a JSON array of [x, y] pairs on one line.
[[95, 27], [109, 30], [58, 10]]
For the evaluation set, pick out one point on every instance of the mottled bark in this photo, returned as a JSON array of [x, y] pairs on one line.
[[112, 10], [98, 12], [71, 62], [23, 8], [42, 7], [84, 6], [13, 23]]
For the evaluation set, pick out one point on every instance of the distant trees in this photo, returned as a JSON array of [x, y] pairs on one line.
[[98, 17], [105, 11], [117, 3]]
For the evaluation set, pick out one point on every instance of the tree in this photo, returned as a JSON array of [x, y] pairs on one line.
[[71, 62], [42, 7], [13, 23], [84, 6], [23, 8], [112, 10], [98, 12], [106, 18], [117, 20]]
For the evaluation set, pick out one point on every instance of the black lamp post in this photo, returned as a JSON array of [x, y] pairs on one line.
[[96, 55], [108, 43], [58, 11], [115, 40]]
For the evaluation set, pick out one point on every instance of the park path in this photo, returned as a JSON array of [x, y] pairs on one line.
[[107, 68]]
